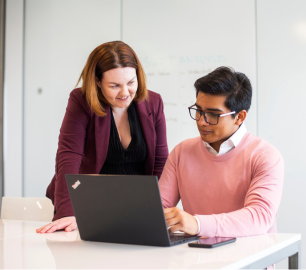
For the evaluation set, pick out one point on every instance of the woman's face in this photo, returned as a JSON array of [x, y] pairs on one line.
[[119, 86]]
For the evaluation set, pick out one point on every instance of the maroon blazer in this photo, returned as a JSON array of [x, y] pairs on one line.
[[83, 144]]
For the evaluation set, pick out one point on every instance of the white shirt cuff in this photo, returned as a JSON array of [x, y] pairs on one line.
[[199, 224]]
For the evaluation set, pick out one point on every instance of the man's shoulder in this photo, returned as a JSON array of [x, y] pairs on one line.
[[259, 146], [264, 157], [188, 145], [186, 150]]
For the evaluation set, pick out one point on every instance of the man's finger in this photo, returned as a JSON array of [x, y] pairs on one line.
[[170, 215], [175, 228], [168, 210], [172, 221]]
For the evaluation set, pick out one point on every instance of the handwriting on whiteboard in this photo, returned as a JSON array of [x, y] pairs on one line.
[[158, 60], [173, 77]]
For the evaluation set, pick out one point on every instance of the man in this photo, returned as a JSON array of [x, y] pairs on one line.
[[230, 181]]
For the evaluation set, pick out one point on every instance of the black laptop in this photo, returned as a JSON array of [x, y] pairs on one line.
[[120, 209]]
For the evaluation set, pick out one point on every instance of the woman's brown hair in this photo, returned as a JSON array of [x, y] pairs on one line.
[[108, 56]]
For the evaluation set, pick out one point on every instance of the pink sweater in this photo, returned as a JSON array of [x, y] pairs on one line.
[[235, 194]]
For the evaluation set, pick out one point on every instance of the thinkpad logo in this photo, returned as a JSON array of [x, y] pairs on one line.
[[76, 184]]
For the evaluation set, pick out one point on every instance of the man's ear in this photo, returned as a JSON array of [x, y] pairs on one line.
[[98, 82], [240, 117]]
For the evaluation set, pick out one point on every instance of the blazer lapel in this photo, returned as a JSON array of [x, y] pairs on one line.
[[146, 121], [102, 133]]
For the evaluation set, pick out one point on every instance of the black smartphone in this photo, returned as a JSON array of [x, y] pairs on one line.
[[212, 242]]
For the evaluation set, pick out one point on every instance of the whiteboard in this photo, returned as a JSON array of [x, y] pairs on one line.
[[179, 41]]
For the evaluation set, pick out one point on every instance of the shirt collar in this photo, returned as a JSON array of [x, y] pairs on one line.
[[231, 142], [238, 135]]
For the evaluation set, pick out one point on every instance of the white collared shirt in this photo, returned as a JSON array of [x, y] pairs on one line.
[[229, 144], [225, 147]]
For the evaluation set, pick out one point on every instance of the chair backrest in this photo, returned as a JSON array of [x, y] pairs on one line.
[[38, 209]]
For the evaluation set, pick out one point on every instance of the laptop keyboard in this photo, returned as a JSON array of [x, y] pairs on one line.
[[178, 237]]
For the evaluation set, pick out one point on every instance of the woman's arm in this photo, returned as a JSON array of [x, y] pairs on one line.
[[70, 151], [69, 154], [161, 150]]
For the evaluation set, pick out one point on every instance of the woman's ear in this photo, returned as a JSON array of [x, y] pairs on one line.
[[98, 82], [240, 117]]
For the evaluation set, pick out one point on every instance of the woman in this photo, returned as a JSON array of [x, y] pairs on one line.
[[112, 125]]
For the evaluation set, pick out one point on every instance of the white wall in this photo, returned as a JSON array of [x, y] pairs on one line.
[[282, 100], [13, 99]]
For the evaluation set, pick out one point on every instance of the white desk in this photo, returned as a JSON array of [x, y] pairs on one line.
[[22, 247]]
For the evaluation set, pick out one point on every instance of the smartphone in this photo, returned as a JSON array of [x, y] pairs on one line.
[[212, 242]]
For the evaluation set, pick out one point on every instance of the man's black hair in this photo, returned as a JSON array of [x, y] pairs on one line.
[[224, 81]]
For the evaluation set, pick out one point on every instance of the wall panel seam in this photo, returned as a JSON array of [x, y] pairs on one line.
[[23, 101], [256, 68]]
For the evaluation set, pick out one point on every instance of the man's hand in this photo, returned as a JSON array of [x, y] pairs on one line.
[[180, 221]]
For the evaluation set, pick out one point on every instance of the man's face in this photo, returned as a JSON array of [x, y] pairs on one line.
[[215, 135]]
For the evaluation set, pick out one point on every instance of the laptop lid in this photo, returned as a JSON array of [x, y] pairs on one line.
[[118, 209]]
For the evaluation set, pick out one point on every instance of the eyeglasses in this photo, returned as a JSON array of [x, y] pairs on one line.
[[210, 118]]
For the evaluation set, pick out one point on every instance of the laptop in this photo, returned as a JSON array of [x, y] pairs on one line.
[[123, 209]]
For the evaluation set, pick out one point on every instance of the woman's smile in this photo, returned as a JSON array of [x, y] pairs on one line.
[[123, 98]]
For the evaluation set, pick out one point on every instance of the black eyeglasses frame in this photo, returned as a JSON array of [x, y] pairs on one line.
[[204, 114]]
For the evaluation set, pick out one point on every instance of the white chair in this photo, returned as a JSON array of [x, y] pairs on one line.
[[36, 209]]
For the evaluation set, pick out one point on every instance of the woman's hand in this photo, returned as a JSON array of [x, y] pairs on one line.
[[180, 220], [67, 223]]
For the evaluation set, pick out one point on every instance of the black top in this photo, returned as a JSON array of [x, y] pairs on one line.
[[126, 161]]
